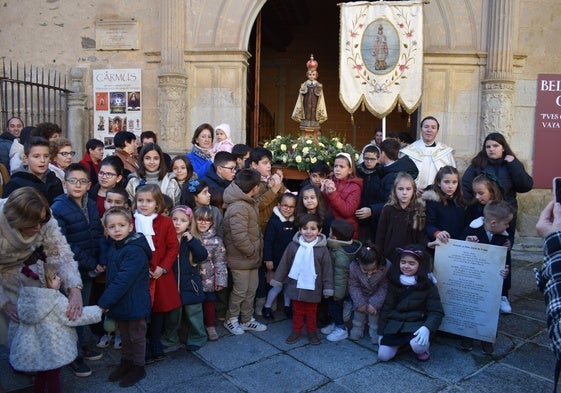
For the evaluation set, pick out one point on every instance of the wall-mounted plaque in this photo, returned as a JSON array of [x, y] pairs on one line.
[[117, 34]]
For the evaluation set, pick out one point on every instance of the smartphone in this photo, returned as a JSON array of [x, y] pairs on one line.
[[557, 189]]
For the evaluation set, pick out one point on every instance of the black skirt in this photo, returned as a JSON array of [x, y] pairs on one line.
[[396, 340]]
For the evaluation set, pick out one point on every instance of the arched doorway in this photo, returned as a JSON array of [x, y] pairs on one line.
[[290, 31]]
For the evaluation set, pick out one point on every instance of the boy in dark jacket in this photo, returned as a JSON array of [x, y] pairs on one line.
[[35, 171], [127, 295], [79, 222]]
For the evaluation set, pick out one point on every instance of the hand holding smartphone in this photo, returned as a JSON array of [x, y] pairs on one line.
[[557, 189]]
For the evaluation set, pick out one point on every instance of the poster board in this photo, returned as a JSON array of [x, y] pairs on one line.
[[117, 105], [470, 285]]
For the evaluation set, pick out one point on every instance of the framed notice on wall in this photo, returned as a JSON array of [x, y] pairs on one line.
[[117, 103], [547, 139]]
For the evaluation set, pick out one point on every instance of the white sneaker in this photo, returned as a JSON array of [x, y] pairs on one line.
[[338, 334], [104, 341], [252, 324], [328, 329], [117, 342], [233, 326], [505, 307]]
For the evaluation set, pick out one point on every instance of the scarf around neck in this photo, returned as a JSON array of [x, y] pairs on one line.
[[144, 225], [407, 280], [201, 153], [303, 269]]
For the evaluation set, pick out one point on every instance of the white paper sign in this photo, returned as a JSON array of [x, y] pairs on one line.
[[470, 285]]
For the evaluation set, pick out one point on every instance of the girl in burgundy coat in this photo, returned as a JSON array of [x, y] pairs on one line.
[[342, 190], [160, 234]]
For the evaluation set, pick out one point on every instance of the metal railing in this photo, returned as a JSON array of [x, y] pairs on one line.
[[34, 94]]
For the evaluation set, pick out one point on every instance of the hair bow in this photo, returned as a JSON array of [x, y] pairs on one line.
[[416, 253], [193, 183]]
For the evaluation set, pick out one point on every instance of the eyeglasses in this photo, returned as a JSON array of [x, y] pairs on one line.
[[67, 153], [287, 206], [369, 159], [107, 175], [203, 219], [75, 181], [230, 168]]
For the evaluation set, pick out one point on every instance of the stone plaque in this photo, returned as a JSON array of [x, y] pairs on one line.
[[117, 35], [470, 284]]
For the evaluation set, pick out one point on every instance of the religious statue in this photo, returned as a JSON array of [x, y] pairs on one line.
[[380, 50], [310, 108]]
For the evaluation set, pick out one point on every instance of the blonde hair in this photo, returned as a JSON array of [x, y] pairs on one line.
[[50, 272]]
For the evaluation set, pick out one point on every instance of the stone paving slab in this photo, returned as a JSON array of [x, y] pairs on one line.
[[279, 373]]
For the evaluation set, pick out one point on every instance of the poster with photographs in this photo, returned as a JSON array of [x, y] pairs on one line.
[[117, 106]]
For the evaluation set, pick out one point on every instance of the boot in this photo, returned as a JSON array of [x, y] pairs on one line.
[[135, 374], [357, 330], [121, 370], [294, 337], [259, 303], [313, 338]]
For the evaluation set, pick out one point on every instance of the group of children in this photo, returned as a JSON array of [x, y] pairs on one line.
[[164, 259]]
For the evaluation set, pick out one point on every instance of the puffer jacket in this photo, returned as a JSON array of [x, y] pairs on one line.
[[342, 253], [45, 338], [83, 232], [127, 293], [345, 200], [213, 268], [365, 290], [242, 234]]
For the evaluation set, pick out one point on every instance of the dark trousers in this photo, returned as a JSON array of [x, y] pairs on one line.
[[335, 308], [48, 381], [301, 311], [133, 340]]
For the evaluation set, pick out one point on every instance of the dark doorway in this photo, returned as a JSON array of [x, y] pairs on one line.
[[291, 30]]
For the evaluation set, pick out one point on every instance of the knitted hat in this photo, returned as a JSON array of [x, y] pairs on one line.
[[33, 275], [224, 127]]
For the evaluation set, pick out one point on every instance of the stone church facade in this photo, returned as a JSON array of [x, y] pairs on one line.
[[481, 60]]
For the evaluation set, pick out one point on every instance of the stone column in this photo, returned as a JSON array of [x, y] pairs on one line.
[[498, 85], [172, 79], [76, 114]]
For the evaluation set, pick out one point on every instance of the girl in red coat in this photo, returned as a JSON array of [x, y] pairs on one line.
[[342, 190], [160, 233]]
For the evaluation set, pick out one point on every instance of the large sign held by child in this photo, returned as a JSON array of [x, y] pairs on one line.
[[470, 284]]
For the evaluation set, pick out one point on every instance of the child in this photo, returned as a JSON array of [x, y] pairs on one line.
[[445, 206], [484, 189], [278, 234], [213, 269], [244, 247], [191, 253], [182, 169], [110, 175], [412, 309], [368, 285], [403, 218], [196, 193], [306, 265], [310, 201], [42, 317], [343, 190], [152, 170], [127, 295], [160, 234], [270, 187], [492, 229], [223, 141], [35, 172], [318, 172], [79, 223], [342, 249], [369, 170]]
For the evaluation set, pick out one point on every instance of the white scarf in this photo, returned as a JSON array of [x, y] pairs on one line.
[[144, 225], [407, 280], [303, 269]]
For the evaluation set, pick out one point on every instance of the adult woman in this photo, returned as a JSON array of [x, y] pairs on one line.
[[497, 160], [200, 154], [29, 233], [61, 156]]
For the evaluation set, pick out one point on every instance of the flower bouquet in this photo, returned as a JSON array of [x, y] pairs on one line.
[[301, 152]]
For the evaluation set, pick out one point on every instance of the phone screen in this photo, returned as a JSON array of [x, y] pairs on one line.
[[557, 189]]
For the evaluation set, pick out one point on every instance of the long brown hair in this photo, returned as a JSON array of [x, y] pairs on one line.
[[481, 160]]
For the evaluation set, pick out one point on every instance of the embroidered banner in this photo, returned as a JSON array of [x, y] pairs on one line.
[[381, 55]]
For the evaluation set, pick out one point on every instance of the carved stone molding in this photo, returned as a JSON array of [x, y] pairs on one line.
[[172, 103], [496, 108]]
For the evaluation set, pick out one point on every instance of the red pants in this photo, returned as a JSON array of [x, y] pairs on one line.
[[301, 310]]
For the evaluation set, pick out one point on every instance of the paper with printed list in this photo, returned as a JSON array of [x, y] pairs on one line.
[[470, 285]]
